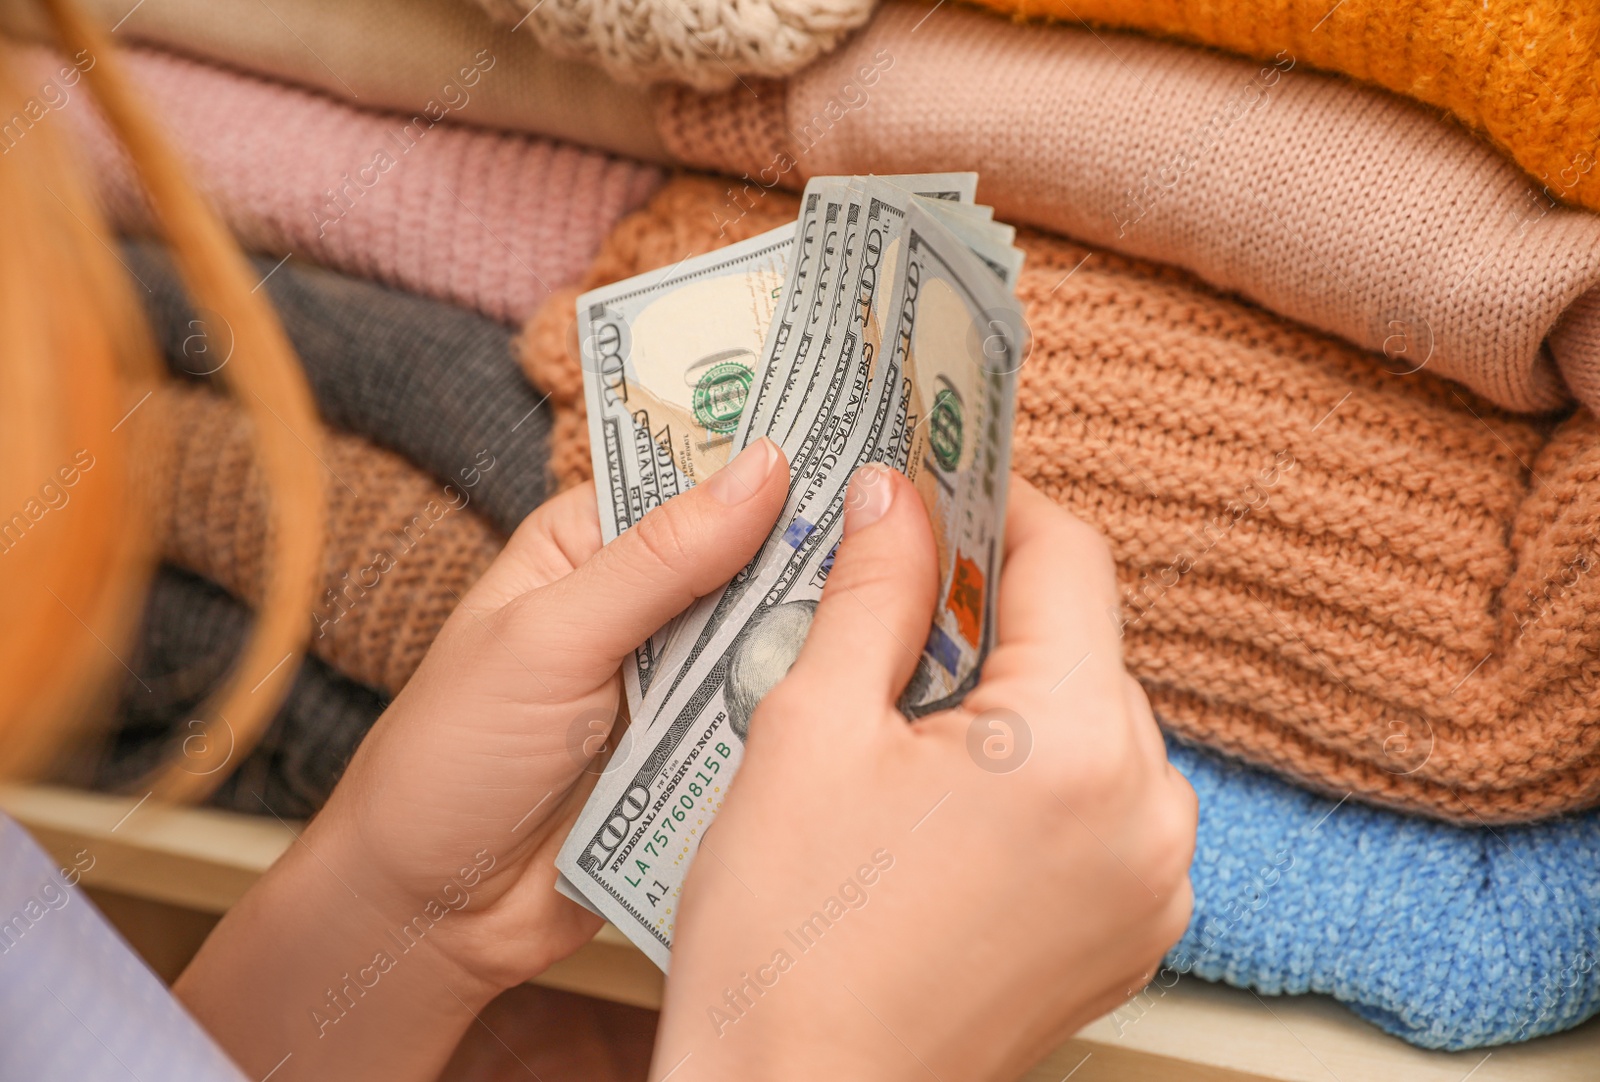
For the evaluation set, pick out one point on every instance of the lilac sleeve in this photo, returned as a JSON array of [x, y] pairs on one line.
[[76, 1003]]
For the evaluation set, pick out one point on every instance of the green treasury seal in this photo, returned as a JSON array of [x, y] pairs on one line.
[[944, 429], [720, 395]]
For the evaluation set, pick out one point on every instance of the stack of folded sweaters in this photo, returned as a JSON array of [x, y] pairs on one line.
[[1316, 342]]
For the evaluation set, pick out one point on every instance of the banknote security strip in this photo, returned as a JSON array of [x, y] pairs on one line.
[[882, 326]]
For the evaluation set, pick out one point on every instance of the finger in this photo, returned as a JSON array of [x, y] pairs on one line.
[[551, 542], [574, 527], [682, 550], [877, 606], [1056, 609], [1047, 544]]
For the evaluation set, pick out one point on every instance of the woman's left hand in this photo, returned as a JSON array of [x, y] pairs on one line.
[[439, 842], [474, 775]]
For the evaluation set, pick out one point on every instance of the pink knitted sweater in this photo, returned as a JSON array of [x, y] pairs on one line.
[[487, 220], [1338, 205]]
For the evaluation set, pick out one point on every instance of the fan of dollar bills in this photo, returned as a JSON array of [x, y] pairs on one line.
[[880, 327]]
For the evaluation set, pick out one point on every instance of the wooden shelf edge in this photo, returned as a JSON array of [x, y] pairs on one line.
[[197, 858], [201, 861]]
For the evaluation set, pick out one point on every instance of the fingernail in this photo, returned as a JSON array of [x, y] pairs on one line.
[[871, 492], [743, 477]]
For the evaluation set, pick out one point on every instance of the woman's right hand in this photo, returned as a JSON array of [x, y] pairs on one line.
[[951, 897]]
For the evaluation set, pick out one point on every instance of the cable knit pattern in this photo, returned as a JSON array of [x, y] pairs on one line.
[[1349, 576], [486, 220], [401, 548], [719, 131], [705, 43], [1521, 71], [1337, 205]]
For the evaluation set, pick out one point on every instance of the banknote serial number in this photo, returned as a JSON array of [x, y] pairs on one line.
[[678, 812]]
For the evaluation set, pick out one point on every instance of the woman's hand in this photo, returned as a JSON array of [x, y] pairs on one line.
[[954, 896], [426, 885], [486, 757]]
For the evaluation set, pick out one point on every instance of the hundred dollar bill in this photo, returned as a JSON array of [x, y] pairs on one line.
[[990, 241], [817, 364], [805, 411], [924, 413], [820, 232], [845, 389], [646, 341], [668, 360], [800, 348], [808, 235], [939, 406], [664, 418], [808, 392], [958, 345]]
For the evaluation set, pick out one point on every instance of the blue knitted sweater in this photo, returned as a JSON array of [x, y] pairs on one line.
[[1447, 937]]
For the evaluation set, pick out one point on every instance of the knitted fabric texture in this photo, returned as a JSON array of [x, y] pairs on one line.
[[705, 43], [1345, 575], [191, 635], [433, 382], [403, 57], [1520, 71], [486, 220], [401, 549], [1447, 937], [1335, 204]]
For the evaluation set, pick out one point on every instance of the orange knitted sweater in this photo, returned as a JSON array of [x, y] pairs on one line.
[[1374, 584], [1520, 71]]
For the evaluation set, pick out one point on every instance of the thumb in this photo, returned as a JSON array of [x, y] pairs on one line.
[[878, 604], [680, 551]]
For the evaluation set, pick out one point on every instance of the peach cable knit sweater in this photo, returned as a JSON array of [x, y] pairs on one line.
[[1374, 584], [1335, 204]]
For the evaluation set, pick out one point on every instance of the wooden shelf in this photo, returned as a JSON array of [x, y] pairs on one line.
[[158, 871]]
